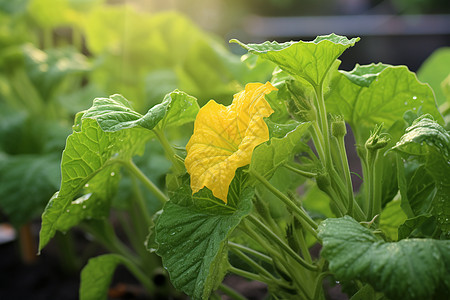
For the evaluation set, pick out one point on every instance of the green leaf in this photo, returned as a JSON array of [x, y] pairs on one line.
[[364, 75], [269, 156], [408, 269], [89, 152], [96, 276], [429, 142], [434, 70], [405, 229], [416, 186], [308, 61], [27, 182], [115, 113], [391, 218], [392, 92], [192, 234]]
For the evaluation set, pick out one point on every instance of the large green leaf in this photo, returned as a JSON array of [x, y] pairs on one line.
[[408, 269], [308, 61], [115, 113], [192, 234], [27, 182], [434, 70], [376, 94], [96, 276], [429, 142], [89, 152], [269, 156]]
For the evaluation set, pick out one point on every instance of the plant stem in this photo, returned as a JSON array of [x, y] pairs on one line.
[[318, 286], [245, 274], [317, 137], [230, 292], [104, 233], [273, 237], [253, 252], [258, 268], [323, 124], [146, 181], [170, 153], [300, 172], [311, 225], [143, 278], [374, 200], [301, 241], [346, 168], [255, 236]]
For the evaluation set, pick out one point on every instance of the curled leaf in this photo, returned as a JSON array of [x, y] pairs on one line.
[[224, 138]]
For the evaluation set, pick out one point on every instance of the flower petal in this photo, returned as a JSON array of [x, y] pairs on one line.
[[224, 138]]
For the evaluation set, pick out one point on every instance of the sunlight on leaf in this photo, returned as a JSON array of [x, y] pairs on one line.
[[224, 138]]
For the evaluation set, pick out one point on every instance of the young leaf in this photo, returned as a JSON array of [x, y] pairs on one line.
[[408, 269], [391, 218], [426, 140], [308, 61], [192, 234], [96, 276], [89, 150], [391, 92], [269, 156], [115, 113], [224, 138]]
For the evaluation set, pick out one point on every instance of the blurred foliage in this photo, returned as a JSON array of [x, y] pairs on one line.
[[56, 56]]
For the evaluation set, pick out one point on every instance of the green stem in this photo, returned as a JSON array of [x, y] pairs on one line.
[[374, 201], [317, 137], [318, 286], [256, 266], [324, 124], [147, 182], [300, 172], [170, 153], [273, 237], [346, 168], [141, 276], [301, 241], [311, 225], [245, 274], [377, 187], [104, 233], [230, 292], [274, 253], [253, 252], [336, 199]]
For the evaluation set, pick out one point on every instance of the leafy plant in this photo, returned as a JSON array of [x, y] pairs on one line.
[[389, 240]]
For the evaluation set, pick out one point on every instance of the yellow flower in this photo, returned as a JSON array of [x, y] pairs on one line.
[[224, 138]]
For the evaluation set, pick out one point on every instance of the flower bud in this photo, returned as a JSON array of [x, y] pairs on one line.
[[338, 128]]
